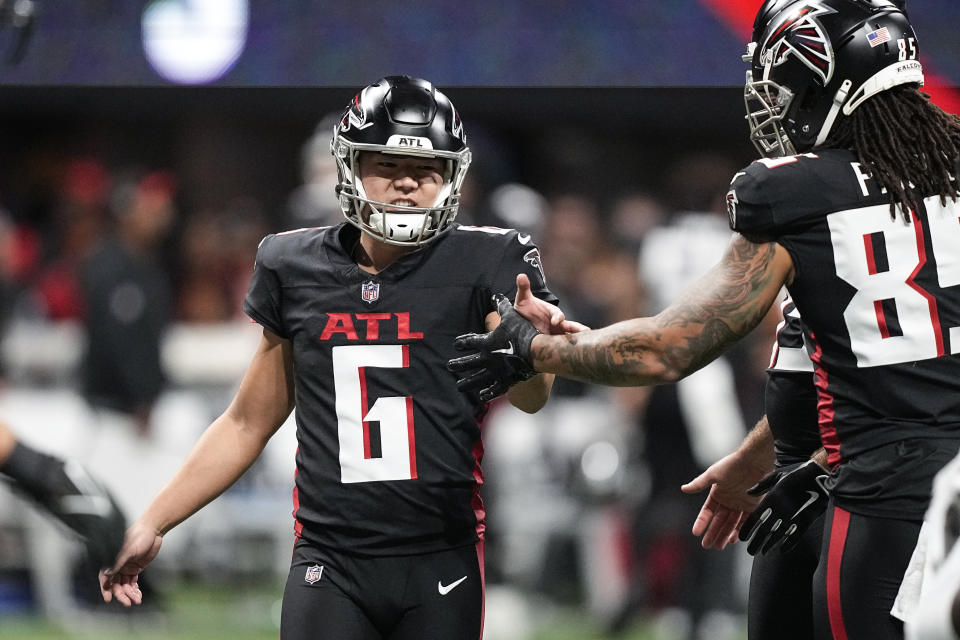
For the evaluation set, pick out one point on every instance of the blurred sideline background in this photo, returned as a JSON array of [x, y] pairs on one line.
[[146, 147]]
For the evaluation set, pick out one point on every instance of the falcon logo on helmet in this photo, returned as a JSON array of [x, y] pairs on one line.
[[355, 115], [802, 35]]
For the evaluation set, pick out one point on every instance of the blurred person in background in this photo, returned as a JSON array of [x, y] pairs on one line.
[[672, 575], [357, 322], [216, 252], [79, 218], [855, 211], [599, 280], [633, 215], [128, 301], [310, 204]]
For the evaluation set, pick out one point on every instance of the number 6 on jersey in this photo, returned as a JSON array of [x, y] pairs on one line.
[[362, 457]]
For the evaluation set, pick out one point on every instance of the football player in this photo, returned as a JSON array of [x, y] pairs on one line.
[[66, 491], [855, 211], [785, 531], [358, 322]]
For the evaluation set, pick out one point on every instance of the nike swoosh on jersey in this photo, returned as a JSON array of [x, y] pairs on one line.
[[445, 589], [524, 238]]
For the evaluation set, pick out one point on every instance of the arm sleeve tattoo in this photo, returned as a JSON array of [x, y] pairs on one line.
[[720, 308]]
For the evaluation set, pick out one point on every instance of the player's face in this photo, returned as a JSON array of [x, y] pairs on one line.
[[401, 180]]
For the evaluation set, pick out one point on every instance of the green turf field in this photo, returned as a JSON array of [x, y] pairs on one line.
[[208, 613]]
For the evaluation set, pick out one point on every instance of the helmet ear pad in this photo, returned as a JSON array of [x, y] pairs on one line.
[[808, 108]]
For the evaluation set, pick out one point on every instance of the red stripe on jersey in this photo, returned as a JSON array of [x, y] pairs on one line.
[[411, 438], [364, 407], [868, 248], [297, 525], [838, 539], [881, 319], [479, 511], [825, 409], [931, 301], [774, 353]]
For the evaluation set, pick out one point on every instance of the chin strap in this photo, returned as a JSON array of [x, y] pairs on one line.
[[838, 99]]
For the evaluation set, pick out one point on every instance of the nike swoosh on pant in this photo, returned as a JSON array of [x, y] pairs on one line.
[[445, 589]]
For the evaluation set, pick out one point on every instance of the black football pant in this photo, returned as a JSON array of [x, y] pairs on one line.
[[862, 560], [780, 605], [336, 596]]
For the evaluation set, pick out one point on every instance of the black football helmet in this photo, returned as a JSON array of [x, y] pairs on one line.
[[813, 61], [404, 116]]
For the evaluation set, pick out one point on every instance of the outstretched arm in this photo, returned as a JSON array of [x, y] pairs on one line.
[[720, 308], [227, 449]]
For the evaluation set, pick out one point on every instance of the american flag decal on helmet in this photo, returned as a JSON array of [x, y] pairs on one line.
[[802, 35]]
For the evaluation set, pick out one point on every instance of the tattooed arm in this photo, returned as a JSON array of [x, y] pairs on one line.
[[719, 309]]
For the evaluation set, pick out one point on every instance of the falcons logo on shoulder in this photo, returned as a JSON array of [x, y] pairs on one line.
[[802, 35]]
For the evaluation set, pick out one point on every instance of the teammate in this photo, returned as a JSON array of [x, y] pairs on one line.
[[787, 552], [65, 491], [855, 211], [358, 321]]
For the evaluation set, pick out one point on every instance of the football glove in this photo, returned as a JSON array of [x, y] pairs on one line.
[[66, 491], [502, 356], [795, 497]]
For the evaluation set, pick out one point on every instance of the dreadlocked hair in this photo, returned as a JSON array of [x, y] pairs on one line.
[[909, 144]]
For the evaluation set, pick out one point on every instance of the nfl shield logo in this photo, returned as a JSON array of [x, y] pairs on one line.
[[314, 574], [370, 291]]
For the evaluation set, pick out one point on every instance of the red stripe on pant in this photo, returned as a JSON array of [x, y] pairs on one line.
[[483, 585], [838, 539]]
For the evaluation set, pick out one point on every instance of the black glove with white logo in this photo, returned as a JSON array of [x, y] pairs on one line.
[[795, 497], [502, 357]]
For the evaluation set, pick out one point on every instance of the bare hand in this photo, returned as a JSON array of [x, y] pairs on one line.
[[546, 317], [728, 504], [120, 581]]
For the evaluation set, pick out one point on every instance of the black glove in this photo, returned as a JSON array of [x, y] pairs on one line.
[[795, 497], [502, 356], [70, 494]]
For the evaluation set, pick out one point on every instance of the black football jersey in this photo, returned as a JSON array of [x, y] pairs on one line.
[[879, 296], [790, 398], [389, 451]]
